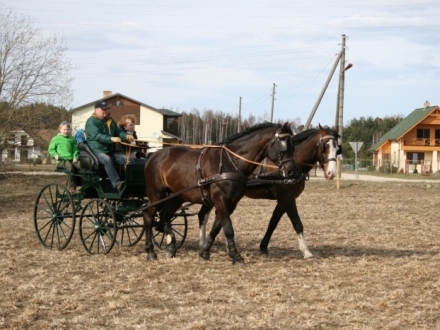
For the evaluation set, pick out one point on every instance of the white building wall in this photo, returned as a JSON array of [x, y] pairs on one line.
[[435, 161], [80, 116], [150, 126]]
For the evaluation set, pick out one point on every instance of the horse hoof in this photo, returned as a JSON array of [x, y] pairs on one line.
[[239, 261], [170, 252], [308, 255], [264, 254], [204, 255], [151, 256]]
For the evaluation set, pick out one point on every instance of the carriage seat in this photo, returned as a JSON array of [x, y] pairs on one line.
[[87, 159]]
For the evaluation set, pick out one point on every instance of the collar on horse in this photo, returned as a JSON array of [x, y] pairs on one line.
[[270, 177]]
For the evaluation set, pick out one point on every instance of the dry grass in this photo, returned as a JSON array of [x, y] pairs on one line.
[[376, 266]]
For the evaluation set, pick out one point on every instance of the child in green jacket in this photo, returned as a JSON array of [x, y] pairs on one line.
[[65, 151]]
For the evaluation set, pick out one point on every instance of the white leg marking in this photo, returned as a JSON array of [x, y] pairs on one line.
[[303, 247], [202, 235], [202, 230]]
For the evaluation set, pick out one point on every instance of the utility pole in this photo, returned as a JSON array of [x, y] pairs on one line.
[[239, 115], [340, 106], [318, 101], [273, 102]]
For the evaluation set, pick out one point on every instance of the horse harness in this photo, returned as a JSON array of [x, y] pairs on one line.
[[236, 176]]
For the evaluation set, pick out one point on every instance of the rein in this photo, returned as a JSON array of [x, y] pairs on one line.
[[128, 151]]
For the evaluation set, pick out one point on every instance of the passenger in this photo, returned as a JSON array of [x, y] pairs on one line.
[[127, 123], [65, 151], [102, 135]]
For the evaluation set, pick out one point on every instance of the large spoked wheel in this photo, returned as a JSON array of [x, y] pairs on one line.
[[54, 216], [97, 227], [179, 225], [130, 231]]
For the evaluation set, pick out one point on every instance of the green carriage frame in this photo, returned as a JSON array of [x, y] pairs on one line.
[[105, 216]]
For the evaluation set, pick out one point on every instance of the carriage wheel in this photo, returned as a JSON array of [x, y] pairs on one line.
[[54, 216], [179, 225], [131, 231], [97, 227]]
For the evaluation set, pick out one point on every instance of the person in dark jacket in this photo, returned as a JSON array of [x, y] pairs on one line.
[[102, 135]]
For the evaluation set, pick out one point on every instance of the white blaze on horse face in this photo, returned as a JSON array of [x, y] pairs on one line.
[[330, 166]]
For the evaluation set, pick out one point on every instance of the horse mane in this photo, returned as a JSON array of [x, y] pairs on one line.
[[247, 131], [304, 135]]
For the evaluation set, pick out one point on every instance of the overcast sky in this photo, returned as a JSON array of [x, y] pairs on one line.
[[194, 54]]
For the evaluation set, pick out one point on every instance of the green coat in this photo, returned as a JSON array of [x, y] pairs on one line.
[[64, 146], [99, 134]]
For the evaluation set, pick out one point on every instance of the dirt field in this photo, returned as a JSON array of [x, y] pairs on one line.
[[376, 266]]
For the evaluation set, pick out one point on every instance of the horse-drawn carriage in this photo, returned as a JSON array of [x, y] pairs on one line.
[[161, 190], [105, 215]]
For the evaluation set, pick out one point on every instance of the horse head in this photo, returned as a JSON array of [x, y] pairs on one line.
[[280, 152], [328, 149]]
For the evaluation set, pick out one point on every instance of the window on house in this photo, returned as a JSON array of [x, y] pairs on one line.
[[423, 135], [11, 139], [171, 125], [437, 137], [415, 157], [24, 140], [24, 154], [117, 103]]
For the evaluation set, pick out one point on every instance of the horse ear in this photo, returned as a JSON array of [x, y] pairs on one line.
[[286, 127], [322, 130]]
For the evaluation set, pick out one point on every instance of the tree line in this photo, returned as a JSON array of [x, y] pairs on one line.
[[212, 127]]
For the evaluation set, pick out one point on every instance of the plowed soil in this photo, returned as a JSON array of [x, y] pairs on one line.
[[376, 265]]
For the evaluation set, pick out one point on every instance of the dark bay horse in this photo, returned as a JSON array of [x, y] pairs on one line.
[[310, 147], [215, 176]]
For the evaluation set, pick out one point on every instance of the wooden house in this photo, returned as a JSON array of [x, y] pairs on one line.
[[153, 124], [413, 145]]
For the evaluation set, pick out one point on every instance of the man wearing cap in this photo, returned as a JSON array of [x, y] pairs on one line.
[[102, 134]]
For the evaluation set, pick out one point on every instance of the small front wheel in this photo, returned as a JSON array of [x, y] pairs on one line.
[[97, 227], [131, 231], [54, 216]]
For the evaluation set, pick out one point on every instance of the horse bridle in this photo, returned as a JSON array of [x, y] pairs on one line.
[[281, 146], [321, 146]]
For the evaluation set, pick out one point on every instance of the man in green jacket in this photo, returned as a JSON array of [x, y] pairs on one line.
[[102, 133]]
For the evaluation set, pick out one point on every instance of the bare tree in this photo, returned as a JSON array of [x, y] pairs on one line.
[[33, 68]]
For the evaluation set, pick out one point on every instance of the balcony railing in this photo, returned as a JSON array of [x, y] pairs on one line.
[[421, 142]]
